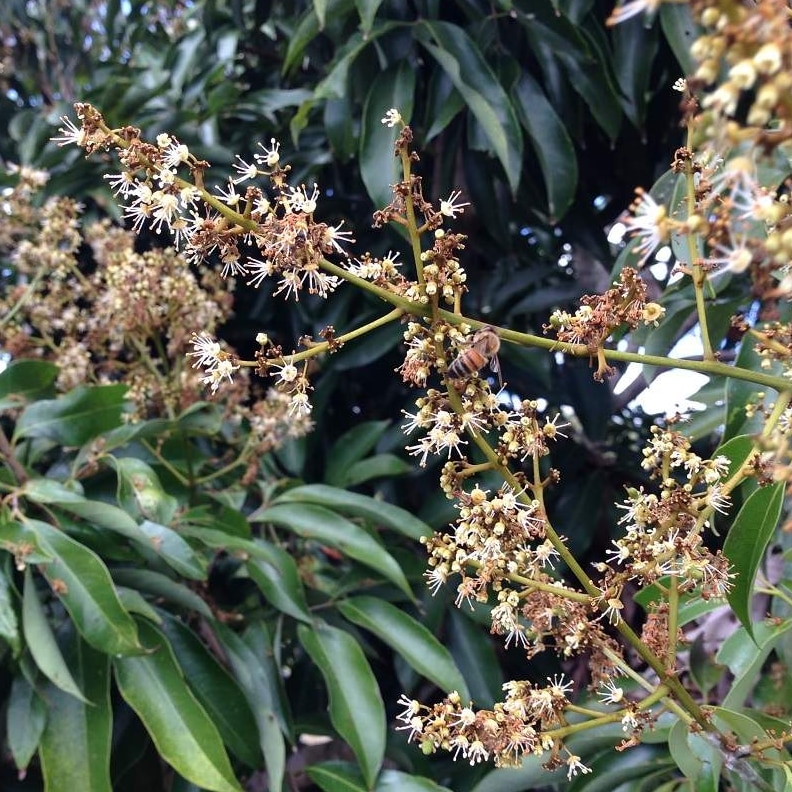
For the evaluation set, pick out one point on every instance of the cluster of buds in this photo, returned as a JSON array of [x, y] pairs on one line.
[[754, 42]]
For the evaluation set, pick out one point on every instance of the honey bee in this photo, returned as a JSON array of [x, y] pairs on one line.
[[483, 349]]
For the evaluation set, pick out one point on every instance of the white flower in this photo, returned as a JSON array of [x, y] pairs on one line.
[[206, 351], [70, 133], [392, 117], [271, 155], [450, 207]]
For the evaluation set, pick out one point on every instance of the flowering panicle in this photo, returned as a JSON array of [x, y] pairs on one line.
[[251, 233], [522, 724]]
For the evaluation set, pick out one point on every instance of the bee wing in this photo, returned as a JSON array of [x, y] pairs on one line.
[[495, 367]]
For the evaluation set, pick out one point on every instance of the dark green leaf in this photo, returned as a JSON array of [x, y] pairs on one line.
[[471, 75], [25, 719], [41, 641], [75, 418], [378, 466], [356, 708], [551, 142], [75, 745], [27, 378], [81, 581], [475, 657], [351, 447], [379, 168], [746, 543], [9, 628], [379, 512], [217, 691], [161, 586], [681, 31], [261, 680], [185, 736], [327, 527], [367, 9], [409, 638], [174, 550], [140, 492]]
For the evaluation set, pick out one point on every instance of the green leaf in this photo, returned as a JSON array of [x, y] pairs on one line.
[[379, 168], [475, 657], [740, 394], [379, 512], [698, 759], [550, 140], [367, 10], [140, 492], [356, 709], [746, 543], [162, 587], [75, 418], [273, 570], [681, 31], [217, 691], [9, 627], [634, 53], [27, 378], [82, 582], [351, 447], [75, 745], [459, 57], [25, 719], [261, 680], [320, 8], [174, 550], [409, 638], [745, 654], [329, 528], [185, 736], [337, 776], [378, 466], [737, 450], [41, 642]]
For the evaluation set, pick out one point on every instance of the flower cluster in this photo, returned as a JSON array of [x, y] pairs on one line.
[[253, 233], [624, 305], [520, 725], [663, 532]]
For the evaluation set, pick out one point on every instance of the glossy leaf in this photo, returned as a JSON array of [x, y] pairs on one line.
[[409, 638], [379, 168], [41, 641], [351, 447], [681, 31], [356, 709], [357, 505], [217, 691], [174, 550], [9, 627], [75, 745], [745, 546], [377, 466], [27, 378], [25, 719], [695, 757], [462, 61], [75, 418], [551, 142], [82, 582], [261, 681], [745, 653], [140, 492], [184, 734], [475, 657], [336, 776], [273, 570], [161, 586], [367, 9], [327, 527]]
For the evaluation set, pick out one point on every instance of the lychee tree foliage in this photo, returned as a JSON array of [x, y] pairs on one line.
[[210, 521]]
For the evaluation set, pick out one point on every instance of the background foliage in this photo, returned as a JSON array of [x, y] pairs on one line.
[[546, 120]]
